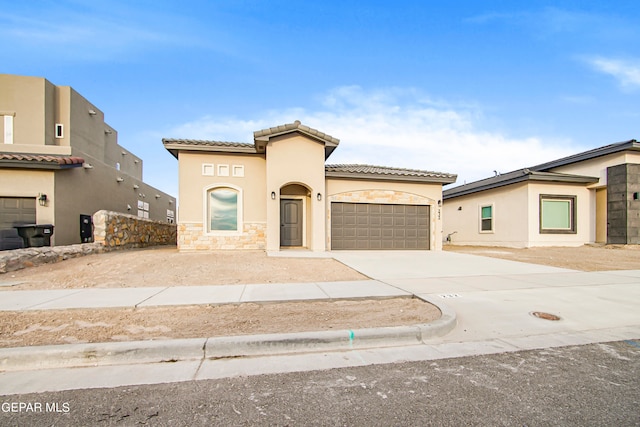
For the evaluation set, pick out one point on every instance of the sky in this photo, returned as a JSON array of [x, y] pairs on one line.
[[465, 87]]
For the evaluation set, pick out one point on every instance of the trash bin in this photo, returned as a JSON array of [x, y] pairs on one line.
[[35, 235], [10, 239]]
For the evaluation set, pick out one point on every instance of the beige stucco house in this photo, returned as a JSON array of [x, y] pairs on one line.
[[278, 193], [60, 160], [584, 198]]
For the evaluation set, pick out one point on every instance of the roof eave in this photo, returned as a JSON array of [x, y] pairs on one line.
[[389, 177], [30, 164], [533, 176], [175, 148]]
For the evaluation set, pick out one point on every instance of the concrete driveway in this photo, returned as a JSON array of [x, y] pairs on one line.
[[494, 298]]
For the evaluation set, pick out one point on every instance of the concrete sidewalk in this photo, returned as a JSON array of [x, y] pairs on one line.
[[193, 295]]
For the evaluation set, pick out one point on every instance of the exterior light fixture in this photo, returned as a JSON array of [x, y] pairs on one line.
[[273, 195], [42, 200], [439, 203], [319, 197]]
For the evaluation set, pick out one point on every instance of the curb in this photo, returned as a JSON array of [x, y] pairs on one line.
[[190, 349]]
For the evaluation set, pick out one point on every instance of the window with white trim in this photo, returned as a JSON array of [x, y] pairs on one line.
[[486, 218], [223, 209], [557, 214]]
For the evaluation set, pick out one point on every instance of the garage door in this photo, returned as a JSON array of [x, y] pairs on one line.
[[377, 226], [17, 210]]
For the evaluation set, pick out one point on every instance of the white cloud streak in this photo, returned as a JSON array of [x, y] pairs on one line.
[[396, 127], [626, 72], [88, 32]]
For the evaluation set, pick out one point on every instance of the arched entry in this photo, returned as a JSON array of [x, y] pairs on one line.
[[294, 204]]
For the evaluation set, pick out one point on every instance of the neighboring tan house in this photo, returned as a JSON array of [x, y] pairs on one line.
[[60, 160], [277, 193], [584, 198]]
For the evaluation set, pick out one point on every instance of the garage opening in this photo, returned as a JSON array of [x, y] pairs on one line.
[[379, 226]]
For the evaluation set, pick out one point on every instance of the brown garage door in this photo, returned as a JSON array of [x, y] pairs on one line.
[[17, 210], [377, 226]]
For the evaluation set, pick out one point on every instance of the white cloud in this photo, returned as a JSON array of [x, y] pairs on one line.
[[626, 72], [88, 31], [396, 127]]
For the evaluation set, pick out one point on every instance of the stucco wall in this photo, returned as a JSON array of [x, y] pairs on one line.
[[598, 167], [585, 215], [387, 192], [516, 212], [85, 191], [510, 217], [194, 184], [296, 159], [26, 97]]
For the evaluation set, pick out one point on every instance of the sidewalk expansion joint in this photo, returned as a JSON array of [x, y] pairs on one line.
[[151, 296]]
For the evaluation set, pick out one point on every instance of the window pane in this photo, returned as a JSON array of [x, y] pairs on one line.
[[486, 212], [223, 209], [486, 225], [556, 214]]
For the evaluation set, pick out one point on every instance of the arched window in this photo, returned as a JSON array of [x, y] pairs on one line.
[[223, 209]]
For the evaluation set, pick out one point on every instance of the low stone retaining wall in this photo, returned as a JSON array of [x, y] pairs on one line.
[[118, 230], [112, 231], [17, 259]]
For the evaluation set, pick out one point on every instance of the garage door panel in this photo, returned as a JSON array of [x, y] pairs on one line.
[[379, 226], [17, 210]]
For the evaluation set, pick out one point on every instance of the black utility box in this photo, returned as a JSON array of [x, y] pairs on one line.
[[86, 228], [35, 235]]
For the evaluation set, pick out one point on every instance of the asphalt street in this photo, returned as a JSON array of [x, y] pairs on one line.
[[590, 385]]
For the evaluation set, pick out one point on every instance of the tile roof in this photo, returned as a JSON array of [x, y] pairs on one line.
[[40, 161], [173, 145], [378, 172], [207, 143], [277, 130]]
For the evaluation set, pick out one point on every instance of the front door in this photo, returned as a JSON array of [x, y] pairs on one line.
[[290, 222]]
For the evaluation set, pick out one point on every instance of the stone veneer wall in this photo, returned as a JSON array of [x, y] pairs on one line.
[[191, 237], [112, 231], [118, 230], [390, 197]]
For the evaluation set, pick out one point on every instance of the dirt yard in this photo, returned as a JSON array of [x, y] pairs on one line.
[[583, 258], [27, 328], [166, 267]]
